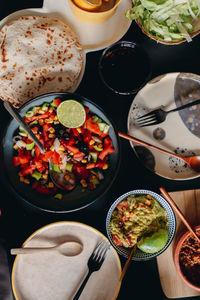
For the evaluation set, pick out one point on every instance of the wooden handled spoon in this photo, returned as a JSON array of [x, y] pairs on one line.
[[179, 213], [192, 161]]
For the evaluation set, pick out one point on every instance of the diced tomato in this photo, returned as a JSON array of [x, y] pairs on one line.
[[28, 170], [38, 164], [100, 163], [47, 155], [117, 240], [87, 136], [56, 158], [72, 149], [92, 127], [106, 151], [107, 142], [37, 151], [45, 132], [35, 129], [91, 166], [23, 159], [41, 169], [75, 132], [123, 205], [43, 190], [57, 101], [16, 161], [80, 171]]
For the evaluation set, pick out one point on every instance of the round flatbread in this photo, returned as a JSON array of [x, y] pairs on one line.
[[38, 55]]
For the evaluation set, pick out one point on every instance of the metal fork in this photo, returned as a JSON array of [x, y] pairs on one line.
[[159, 115], [94, 264]]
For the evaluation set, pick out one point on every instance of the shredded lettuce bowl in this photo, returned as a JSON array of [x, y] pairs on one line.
[[167, 21]]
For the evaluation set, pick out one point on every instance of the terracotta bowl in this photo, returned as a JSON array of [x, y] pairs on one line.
[[177, 250], [164, 42]]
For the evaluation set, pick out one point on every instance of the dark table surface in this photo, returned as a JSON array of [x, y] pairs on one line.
[[17, 222]]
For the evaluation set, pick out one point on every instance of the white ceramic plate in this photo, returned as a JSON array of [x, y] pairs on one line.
[[50, 276], [179, 133], [93, 37]]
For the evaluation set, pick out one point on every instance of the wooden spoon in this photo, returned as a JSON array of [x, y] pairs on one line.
[[127, 263], [179, 213], [67, 249], [192, 161]]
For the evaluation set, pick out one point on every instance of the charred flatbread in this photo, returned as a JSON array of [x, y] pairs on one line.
[[38, 54]]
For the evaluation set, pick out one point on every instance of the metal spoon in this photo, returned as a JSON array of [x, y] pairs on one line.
[[65, 181], [192, 161], [67, 249]]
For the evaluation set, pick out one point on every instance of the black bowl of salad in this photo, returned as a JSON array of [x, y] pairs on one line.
[[91, 152]]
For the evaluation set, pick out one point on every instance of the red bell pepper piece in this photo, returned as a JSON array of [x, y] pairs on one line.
[[57, 101], [93, 127], [79, 155], [72, 149], [106, 151], [23, 159], [91, 166], [56, 158], [37, 151], [37, 117]]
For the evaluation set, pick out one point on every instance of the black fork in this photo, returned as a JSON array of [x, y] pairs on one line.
[[159, 115], [94, 264]]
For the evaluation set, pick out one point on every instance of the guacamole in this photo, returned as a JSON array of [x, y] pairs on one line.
[[136, 216]]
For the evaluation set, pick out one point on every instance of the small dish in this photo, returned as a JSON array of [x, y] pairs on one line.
[[171, 227], [50, 276], [85, 14], [177, 250], [124, 67]]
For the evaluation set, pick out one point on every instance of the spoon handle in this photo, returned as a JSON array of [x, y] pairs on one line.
[[127, 263], [16, 251], [14, 113], [130, 138], [177, 210]]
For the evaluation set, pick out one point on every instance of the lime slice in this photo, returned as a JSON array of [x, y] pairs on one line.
[[153, 243], [71, 113]]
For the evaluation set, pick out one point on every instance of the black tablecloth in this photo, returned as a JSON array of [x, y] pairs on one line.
[[142, 279]]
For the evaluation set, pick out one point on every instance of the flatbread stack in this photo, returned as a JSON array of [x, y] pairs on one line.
[[38, 54]]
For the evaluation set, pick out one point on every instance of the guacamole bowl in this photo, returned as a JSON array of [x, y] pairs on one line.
[[144, 218]]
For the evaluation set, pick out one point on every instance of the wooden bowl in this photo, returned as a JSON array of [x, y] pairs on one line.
[[165, 42], [176, 253]]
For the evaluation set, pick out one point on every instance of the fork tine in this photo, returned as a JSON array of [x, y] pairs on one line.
[[103, 253], [148, 123], [146, 115], [152, 118], [101, 250]]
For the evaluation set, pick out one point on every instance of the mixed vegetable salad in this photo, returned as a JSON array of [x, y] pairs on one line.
[[84, 150], [167, 20]]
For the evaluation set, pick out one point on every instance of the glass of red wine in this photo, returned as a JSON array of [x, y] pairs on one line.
[[124, 67]]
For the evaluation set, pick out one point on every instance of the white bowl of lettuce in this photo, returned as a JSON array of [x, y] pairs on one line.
[[167, 21]]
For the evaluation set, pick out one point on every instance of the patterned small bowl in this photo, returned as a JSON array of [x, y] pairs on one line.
[[139, 255]]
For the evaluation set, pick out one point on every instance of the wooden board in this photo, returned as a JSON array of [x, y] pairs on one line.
[[173, 286]]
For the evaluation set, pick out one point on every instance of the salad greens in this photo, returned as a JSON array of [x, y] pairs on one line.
[[167, 20]]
